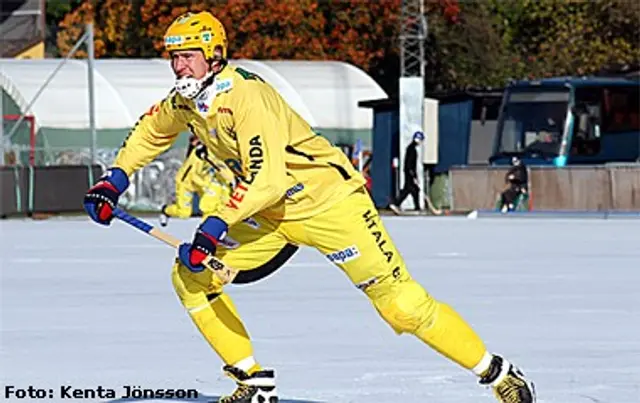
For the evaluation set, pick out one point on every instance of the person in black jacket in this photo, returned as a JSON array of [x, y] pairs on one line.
[[516, 180], [411, 182]]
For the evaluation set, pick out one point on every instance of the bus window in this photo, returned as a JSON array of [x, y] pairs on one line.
[[585, 139], [621, 109], [532, 122]]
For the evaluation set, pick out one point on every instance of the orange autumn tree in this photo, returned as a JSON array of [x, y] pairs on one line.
[[111, 22], [351, 30], [355, 31], [361, 32], [270, 29]]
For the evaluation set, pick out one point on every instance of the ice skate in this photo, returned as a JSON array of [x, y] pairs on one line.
[[259, 387], [508, 382]]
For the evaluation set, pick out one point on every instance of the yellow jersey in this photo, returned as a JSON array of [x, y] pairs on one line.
[[283, 170], [196, 176]]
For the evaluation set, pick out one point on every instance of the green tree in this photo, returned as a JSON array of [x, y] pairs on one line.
[[54, 13], [465, 51], [111, 20], [554, 37]]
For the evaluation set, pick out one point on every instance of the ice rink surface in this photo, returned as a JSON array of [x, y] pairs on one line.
[[84, 305]]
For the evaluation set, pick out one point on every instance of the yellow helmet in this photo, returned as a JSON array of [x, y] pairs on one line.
[[196, 31]]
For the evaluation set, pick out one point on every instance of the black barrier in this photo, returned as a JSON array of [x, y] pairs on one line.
[[14, 187], [61, 188], [45, 189]]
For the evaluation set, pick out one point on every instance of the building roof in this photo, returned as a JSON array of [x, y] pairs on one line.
[[21, 25], [326, 93], [576, 81], [443, 97]]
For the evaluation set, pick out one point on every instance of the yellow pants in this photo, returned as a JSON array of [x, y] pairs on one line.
[[351, 235]]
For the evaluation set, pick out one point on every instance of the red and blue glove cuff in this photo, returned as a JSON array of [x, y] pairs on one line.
[[118, 178], [102, 198], [214, 228], [205, 242]]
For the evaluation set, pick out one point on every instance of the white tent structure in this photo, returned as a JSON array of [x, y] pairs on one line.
[[326, 93]]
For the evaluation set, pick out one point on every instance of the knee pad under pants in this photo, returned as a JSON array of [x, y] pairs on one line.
[[408, 308], [405, 305]]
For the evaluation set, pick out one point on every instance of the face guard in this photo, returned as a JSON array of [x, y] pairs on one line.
[[190, 87]]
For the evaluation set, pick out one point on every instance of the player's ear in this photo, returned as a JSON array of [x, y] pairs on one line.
[[218, 53], [217, 62]]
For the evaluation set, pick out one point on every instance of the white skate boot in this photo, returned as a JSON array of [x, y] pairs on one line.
[[508, 382], [259, 387]]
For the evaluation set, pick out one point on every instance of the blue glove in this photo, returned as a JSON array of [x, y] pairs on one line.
[[205, 242], [102, 198]]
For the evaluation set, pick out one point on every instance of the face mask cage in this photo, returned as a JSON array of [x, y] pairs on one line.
[[190, 87]]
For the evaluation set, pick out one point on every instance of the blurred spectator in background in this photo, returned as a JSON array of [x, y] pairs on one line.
[[516, 191], [411, 182]]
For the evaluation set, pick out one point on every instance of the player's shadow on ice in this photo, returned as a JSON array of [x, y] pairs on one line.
[[201, 398]]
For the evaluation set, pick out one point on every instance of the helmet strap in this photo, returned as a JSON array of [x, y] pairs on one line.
[[216, 65]]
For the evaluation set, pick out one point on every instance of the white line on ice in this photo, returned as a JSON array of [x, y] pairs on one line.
[[49, 260], [115, 246]]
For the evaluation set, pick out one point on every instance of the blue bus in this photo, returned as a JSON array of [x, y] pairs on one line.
[[568, 121]]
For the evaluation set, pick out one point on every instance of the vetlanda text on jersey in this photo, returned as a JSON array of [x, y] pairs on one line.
[[126, 392]]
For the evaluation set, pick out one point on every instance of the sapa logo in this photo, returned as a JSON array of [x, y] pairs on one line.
[[345, 255], [223, 85], [299, 187], [173, 40]]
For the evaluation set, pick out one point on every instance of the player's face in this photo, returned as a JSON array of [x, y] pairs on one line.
[[189, 63]]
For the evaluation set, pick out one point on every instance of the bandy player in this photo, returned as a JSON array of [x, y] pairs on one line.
[[299, 190]]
